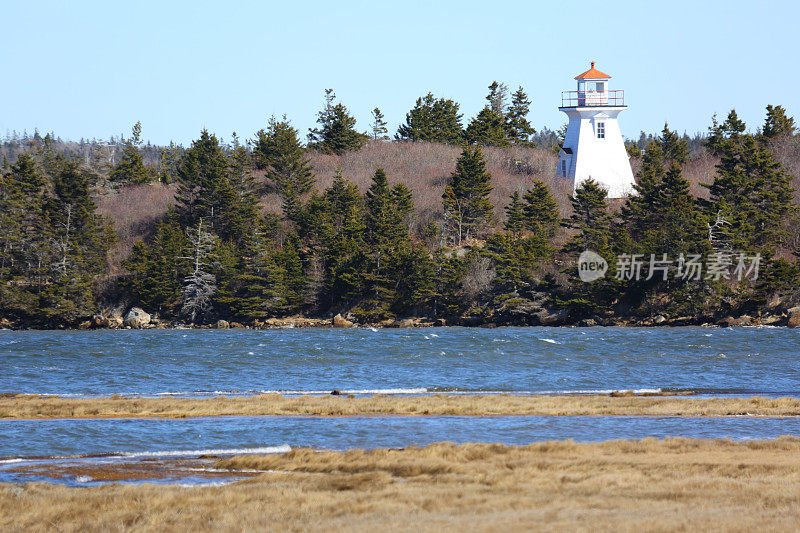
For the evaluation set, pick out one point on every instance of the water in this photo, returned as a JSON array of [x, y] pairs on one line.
[[713, 362], [537, 359], [150, 437]]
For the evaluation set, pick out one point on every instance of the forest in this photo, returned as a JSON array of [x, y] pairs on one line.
[[445, 221]]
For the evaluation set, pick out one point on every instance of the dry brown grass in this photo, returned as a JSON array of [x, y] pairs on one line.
[[652, 485], [426, 167], [42, 407], [134, 210]]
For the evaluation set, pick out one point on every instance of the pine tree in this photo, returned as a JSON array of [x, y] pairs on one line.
[[515, 215], [237, 217], [384, 216], [432, 120], [336, 134], [81, 240], [753, 193], [204, 191], [157, 268], [379, 129], [279, 152], [518, 129], [777, 123], [498, 93], [466, 198], [590, 217], [722, 136], [540, 211], [487, 129], [674, 148], [131, 167]]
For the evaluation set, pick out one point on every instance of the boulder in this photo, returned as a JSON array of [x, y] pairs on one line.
[[587, 323], [794, 317], [729, 322], [404, 323], [223, 324], [659, 319], [137, 318], [237, 325], [99, 321], [341, 322]]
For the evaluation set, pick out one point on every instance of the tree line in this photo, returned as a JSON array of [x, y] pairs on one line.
[[217, 254]]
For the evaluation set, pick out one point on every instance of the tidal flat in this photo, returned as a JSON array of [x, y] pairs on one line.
[[613, 404], [649, 484]]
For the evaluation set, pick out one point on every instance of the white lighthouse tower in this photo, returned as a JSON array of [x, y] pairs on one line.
[[593, 146]]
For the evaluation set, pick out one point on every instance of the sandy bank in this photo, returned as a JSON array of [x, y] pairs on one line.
[[43, 407], [672, 484]]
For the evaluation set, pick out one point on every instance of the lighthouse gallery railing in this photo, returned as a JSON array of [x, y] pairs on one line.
[[592, 98]]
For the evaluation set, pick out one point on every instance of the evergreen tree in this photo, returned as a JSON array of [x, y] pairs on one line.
[[674, 148], [379, 129], [498, 93], [540, 211], [752, 193], [432, 120], [487, 129], [518, 129], [515, 215], [279, 152], [591, 219], [466, 198], [81, 240], [131, 168], [170, 159], [237, 217], [336, 133], [384, 216], [204, 190], [722, 136], [157, 268], [777, 123]]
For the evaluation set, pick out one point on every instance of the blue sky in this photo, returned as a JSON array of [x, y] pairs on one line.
[[91, 69]]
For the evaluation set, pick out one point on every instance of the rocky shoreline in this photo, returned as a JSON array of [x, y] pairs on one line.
[[137, 318]]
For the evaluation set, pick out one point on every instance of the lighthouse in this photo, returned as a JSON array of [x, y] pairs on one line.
[[593, 146]]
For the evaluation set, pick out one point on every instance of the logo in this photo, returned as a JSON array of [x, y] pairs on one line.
[[591, 266]]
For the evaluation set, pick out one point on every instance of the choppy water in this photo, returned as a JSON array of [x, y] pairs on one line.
[[418, 361], [201, 362]]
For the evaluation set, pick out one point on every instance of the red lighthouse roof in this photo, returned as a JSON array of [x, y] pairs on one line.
[[592, 73]]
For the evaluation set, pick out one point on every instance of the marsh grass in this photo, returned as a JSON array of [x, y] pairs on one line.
[[42, 407], [652, 485]]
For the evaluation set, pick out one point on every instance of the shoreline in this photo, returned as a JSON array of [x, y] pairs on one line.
[[35, 407], [790, 319], [648, 484]]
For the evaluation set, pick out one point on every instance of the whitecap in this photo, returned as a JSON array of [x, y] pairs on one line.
[[284, 448], [551, 341], [83, 479]]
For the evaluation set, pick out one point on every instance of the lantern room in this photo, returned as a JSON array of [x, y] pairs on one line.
[[593, 91]]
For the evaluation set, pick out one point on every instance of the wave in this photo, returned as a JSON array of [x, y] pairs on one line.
[[284, 448]]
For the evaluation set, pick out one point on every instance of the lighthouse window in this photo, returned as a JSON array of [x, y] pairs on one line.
[[564, 168], [601, 130]]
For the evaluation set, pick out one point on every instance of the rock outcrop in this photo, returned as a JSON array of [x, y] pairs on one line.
[[137, 318], [341, 322], [794, 317]]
